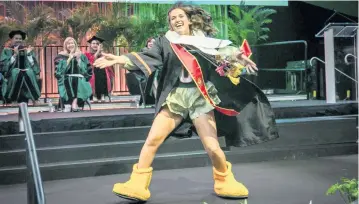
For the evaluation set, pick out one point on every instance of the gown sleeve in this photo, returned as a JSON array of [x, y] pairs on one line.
[[147, 61], [60, 67], [35, 66], [5, 60], [85, 67]]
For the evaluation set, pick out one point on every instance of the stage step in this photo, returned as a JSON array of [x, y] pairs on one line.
[[55, 122], [95, 152], [76, 137], [290, 127], [89, 168], [123, 134]]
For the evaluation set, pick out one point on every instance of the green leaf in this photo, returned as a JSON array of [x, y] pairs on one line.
[[263, 37], [264, 13], [266, 21], [245, 18], [265, 30], [333, 189]]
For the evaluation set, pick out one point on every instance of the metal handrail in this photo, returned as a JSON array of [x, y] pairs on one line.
[[35, 191], [346, 58], [316, 58], [289, 42], [292, 42]]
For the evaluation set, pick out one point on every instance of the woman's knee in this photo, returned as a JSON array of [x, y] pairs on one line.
[[154, 141]]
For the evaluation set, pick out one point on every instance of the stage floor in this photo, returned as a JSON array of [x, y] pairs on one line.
[[294, 182], [112, 109]]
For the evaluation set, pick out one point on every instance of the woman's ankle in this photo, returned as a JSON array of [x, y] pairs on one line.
[[74, 104], [143, 166]]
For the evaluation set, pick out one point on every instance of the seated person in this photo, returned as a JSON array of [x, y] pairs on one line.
[[20, 71], [73, 72]]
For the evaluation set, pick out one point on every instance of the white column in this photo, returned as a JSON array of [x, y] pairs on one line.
[[329, 66]]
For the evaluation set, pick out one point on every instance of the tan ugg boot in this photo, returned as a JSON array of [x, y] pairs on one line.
[[137, 188], [225, 185]]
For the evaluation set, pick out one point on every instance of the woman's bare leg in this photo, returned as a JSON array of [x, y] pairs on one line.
[[225, 185], [137, 187], [164, 123], [207, 131]]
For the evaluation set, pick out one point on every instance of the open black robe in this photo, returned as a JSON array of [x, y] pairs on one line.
[[254, 124]]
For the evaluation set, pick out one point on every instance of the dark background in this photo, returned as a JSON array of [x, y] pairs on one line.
[[301, 21]]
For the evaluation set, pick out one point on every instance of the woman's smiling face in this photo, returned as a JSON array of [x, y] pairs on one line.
[[179, 22]]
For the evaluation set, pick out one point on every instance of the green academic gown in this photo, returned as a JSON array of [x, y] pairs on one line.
[[71, 87], [20, 76]]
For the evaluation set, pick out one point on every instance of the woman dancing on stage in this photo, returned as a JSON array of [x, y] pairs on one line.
[[190, 87]]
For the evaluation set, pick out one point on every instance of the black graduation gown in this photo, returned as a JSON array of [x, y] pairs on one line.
[[255, 123]]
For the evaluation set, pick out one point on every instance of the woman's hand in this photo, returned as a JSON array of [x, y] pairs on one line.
[[248, 63], [16, 51], [29, 49], [99, 51], [107, 60], [77, 55]]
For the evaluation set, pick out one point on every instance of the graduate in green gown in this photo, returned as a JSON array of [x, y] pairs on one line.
[[73, 72], [20, 68]]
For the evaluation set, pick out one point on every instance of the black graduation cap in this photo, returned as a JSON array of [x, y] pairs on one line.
[[17, 32], [95, 38]]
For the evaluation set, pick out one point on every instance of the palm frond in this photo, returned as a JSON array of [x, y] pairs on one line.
[[41, 21], [80, 21], [264, 13], [248, 23], [235, 12], [266, 21], [149, 21], [114, 24], [265, 30], [255, 10], [263, 37], [16, 11]]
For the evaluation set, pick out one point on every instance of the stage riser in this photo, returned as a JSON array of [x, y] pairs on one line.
[[299, 138], [197, 159], [313, 111], [98, 151], [144, 117], [314, 132], [124, 142], [81, 123], [55, 139], [295, 132]]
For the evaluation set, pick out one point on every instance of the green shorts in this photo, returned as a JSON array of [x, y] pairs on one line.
[[188, 101]]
